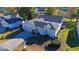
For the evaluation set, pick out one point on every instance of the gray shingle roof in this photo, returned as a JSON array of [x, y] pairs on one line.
[[41, 8], [57, 19], [52, 27], [55, 25], [40, 24], [53, 21]]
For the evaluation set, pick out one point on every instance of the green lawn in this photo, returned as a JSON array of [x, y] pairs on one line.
[[69, 20], [4, 35]]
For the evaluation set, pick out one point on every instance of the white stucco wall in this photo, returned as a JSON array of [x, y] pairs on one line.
[[28, 26]]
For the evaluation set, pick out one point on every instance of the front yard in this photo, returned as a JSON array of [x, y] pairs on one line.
[[8, 33]]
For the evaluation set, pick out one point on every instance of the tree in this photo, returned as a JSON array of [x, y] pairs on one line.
[[34, 15], [73, 13], [51, 11], [72, 16], [12, 10], [77, 14], [25, 12]]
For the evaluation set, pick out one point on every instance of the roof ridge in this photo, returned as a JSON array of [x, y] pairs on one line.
[[52, 26]]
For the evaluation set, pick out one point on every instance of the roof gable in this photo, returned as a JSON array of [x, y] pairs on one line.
[[52, 27], [43, 25], [40, 24], [55, 25]]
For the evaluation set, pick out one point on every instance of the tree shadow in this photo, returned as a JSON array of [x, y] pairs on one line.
[[37, 40], [10, 36], [40, 40], [52, 47]]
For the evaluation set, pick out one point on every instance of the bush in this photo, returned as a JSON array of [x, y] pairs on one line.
[[56, 41]]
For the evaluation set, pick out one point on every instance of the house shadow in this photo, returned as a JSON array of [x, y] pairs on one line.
[[72, 39], [39, 40], [10, 36]]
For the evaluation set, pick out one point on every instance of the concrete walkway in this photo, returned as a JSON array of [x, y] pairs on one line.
[[63, 43]]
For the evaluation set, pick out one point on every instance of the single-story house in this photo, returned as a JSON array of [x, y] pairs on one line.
[[55, 21], [41, 10], [45, 25], [7, 16]]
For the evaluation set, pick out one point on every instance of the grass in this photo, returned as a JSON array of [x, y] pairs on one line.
[[69, 20], [4, 35], [70, 38]]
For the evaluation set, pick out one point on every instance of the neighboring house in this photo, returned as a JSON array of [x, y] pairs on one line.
[[3, 11], [45, 25], [12, 23], [40, 10], [77, 27], [7, 13], [7, 16], [2, 29], [66, 11]]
